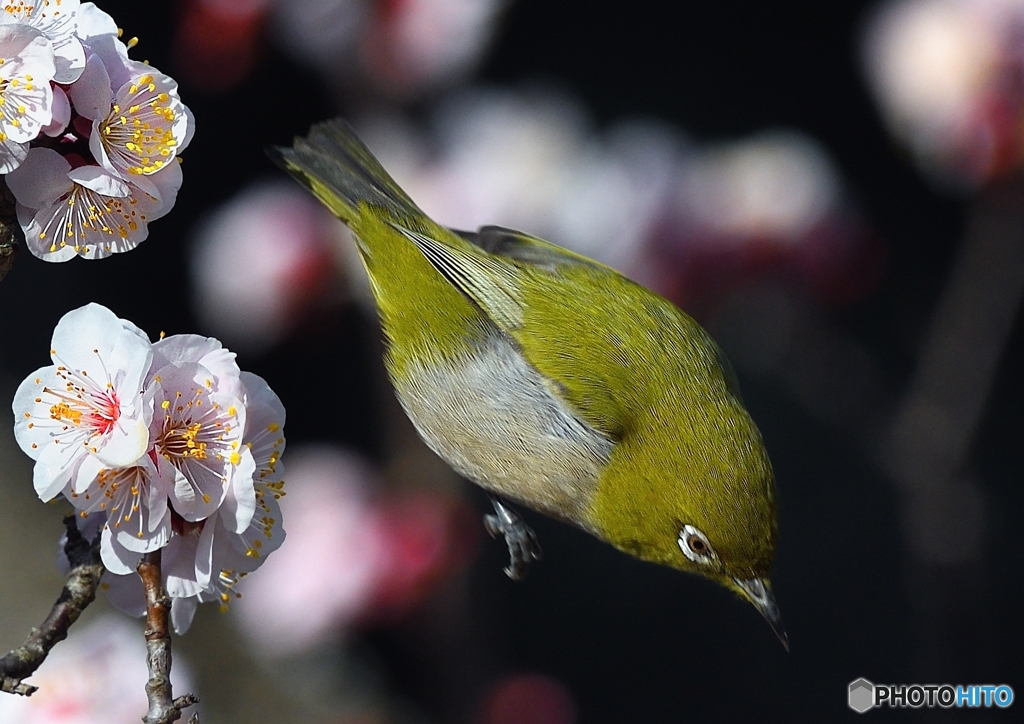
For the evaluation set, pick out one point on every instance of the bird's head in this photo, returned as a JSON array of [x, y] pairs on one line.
[[706, 508]]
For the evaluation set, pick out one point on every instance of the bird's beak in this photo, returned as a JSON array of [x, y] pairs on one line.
[[759, 592]]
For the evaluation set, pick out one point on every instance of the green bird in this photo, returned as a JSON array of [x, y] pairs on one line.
[[553, 381]]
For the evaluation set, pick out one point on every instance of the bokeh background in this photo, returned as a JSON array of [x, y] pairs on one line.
[[832, 189]]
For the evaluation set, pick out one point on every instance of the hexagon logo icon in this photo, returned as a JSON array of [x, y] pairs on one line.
[[862, 695]]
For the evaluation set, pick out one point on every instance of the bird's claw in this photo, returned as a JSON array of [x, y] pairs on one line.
[[523, 548]]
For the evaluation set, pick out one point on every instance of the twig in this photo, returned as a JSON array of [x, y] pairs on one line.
[[10, 232], [79, 592], [163, 707]]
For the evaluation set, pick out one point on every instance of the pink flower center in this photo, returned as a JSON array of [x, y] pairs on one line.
[[95, 410]]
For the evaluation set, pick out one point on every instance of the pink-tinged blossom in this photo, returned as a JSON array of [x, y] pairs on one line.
[[84, 211], [26, 69], [85, 412], [946, 76]]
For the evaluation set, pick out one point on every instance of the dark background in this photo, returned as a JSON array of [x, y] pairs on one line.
[[631, 641]]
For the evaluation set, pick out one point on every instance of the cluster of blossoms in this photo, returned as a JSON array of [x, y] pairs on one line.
[[88, 137], [159, 446]]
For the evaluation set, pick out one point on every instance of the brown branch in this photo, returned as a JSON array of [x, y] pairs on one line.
[[79, 592], [10, 232], [163, 707]]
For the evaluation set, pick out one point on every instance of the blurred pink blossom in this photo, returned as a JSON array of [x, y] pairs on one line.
[[693, 221], [949, 77], [528, 699], [353, 555], [97, 676], [261, 260], [398, 48], [417, 44]]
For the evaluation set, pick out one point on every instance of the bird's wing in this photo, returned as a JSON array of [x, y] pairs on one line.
[[495, 269], [484, 279], [537, 253]]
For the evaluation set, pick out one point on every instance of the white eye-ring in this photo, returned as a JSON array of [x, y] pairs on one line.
[[695, 545]]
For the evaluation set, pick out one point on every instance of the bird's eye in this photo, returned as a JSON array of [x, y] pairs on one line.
[[695, 545]]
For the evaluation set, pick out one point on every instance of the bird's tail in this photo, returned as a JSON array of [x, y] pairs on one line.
[[340, 170]]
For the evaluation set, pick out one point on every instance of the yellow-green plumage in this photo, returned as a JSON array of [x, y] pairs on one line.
[[553, 380]]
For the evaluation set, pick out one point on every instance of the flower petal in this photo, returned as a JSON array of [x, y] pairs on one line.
[[91, 94], [41, 179], [61, 114], [116, 558], [240, 503], [97, 179], [53, 470], [126, 442], [183, 610]]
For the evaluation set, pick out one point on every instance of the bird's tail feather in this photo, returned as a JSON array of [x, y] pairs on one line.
[[342, 172]]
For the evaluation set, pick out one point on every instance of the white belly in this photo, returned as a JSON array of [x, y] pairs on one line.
[[494, 419]]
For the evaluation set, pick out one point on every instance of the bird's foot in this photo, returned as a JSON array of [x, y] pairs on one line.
[[523, 548]]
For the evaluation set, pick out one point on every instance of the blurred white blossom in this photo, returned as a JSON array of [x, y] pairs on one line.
[[773, 187]]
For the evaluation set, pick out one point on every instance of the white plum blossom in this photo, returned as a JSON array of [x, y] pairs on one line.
[[204, 559], [100, 35], [240, 548], [87, 411], [57, 20], [143, 130], [135, 499], [65, 73], [163, 446], [197, 429], [26, 69], [84, 211]]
